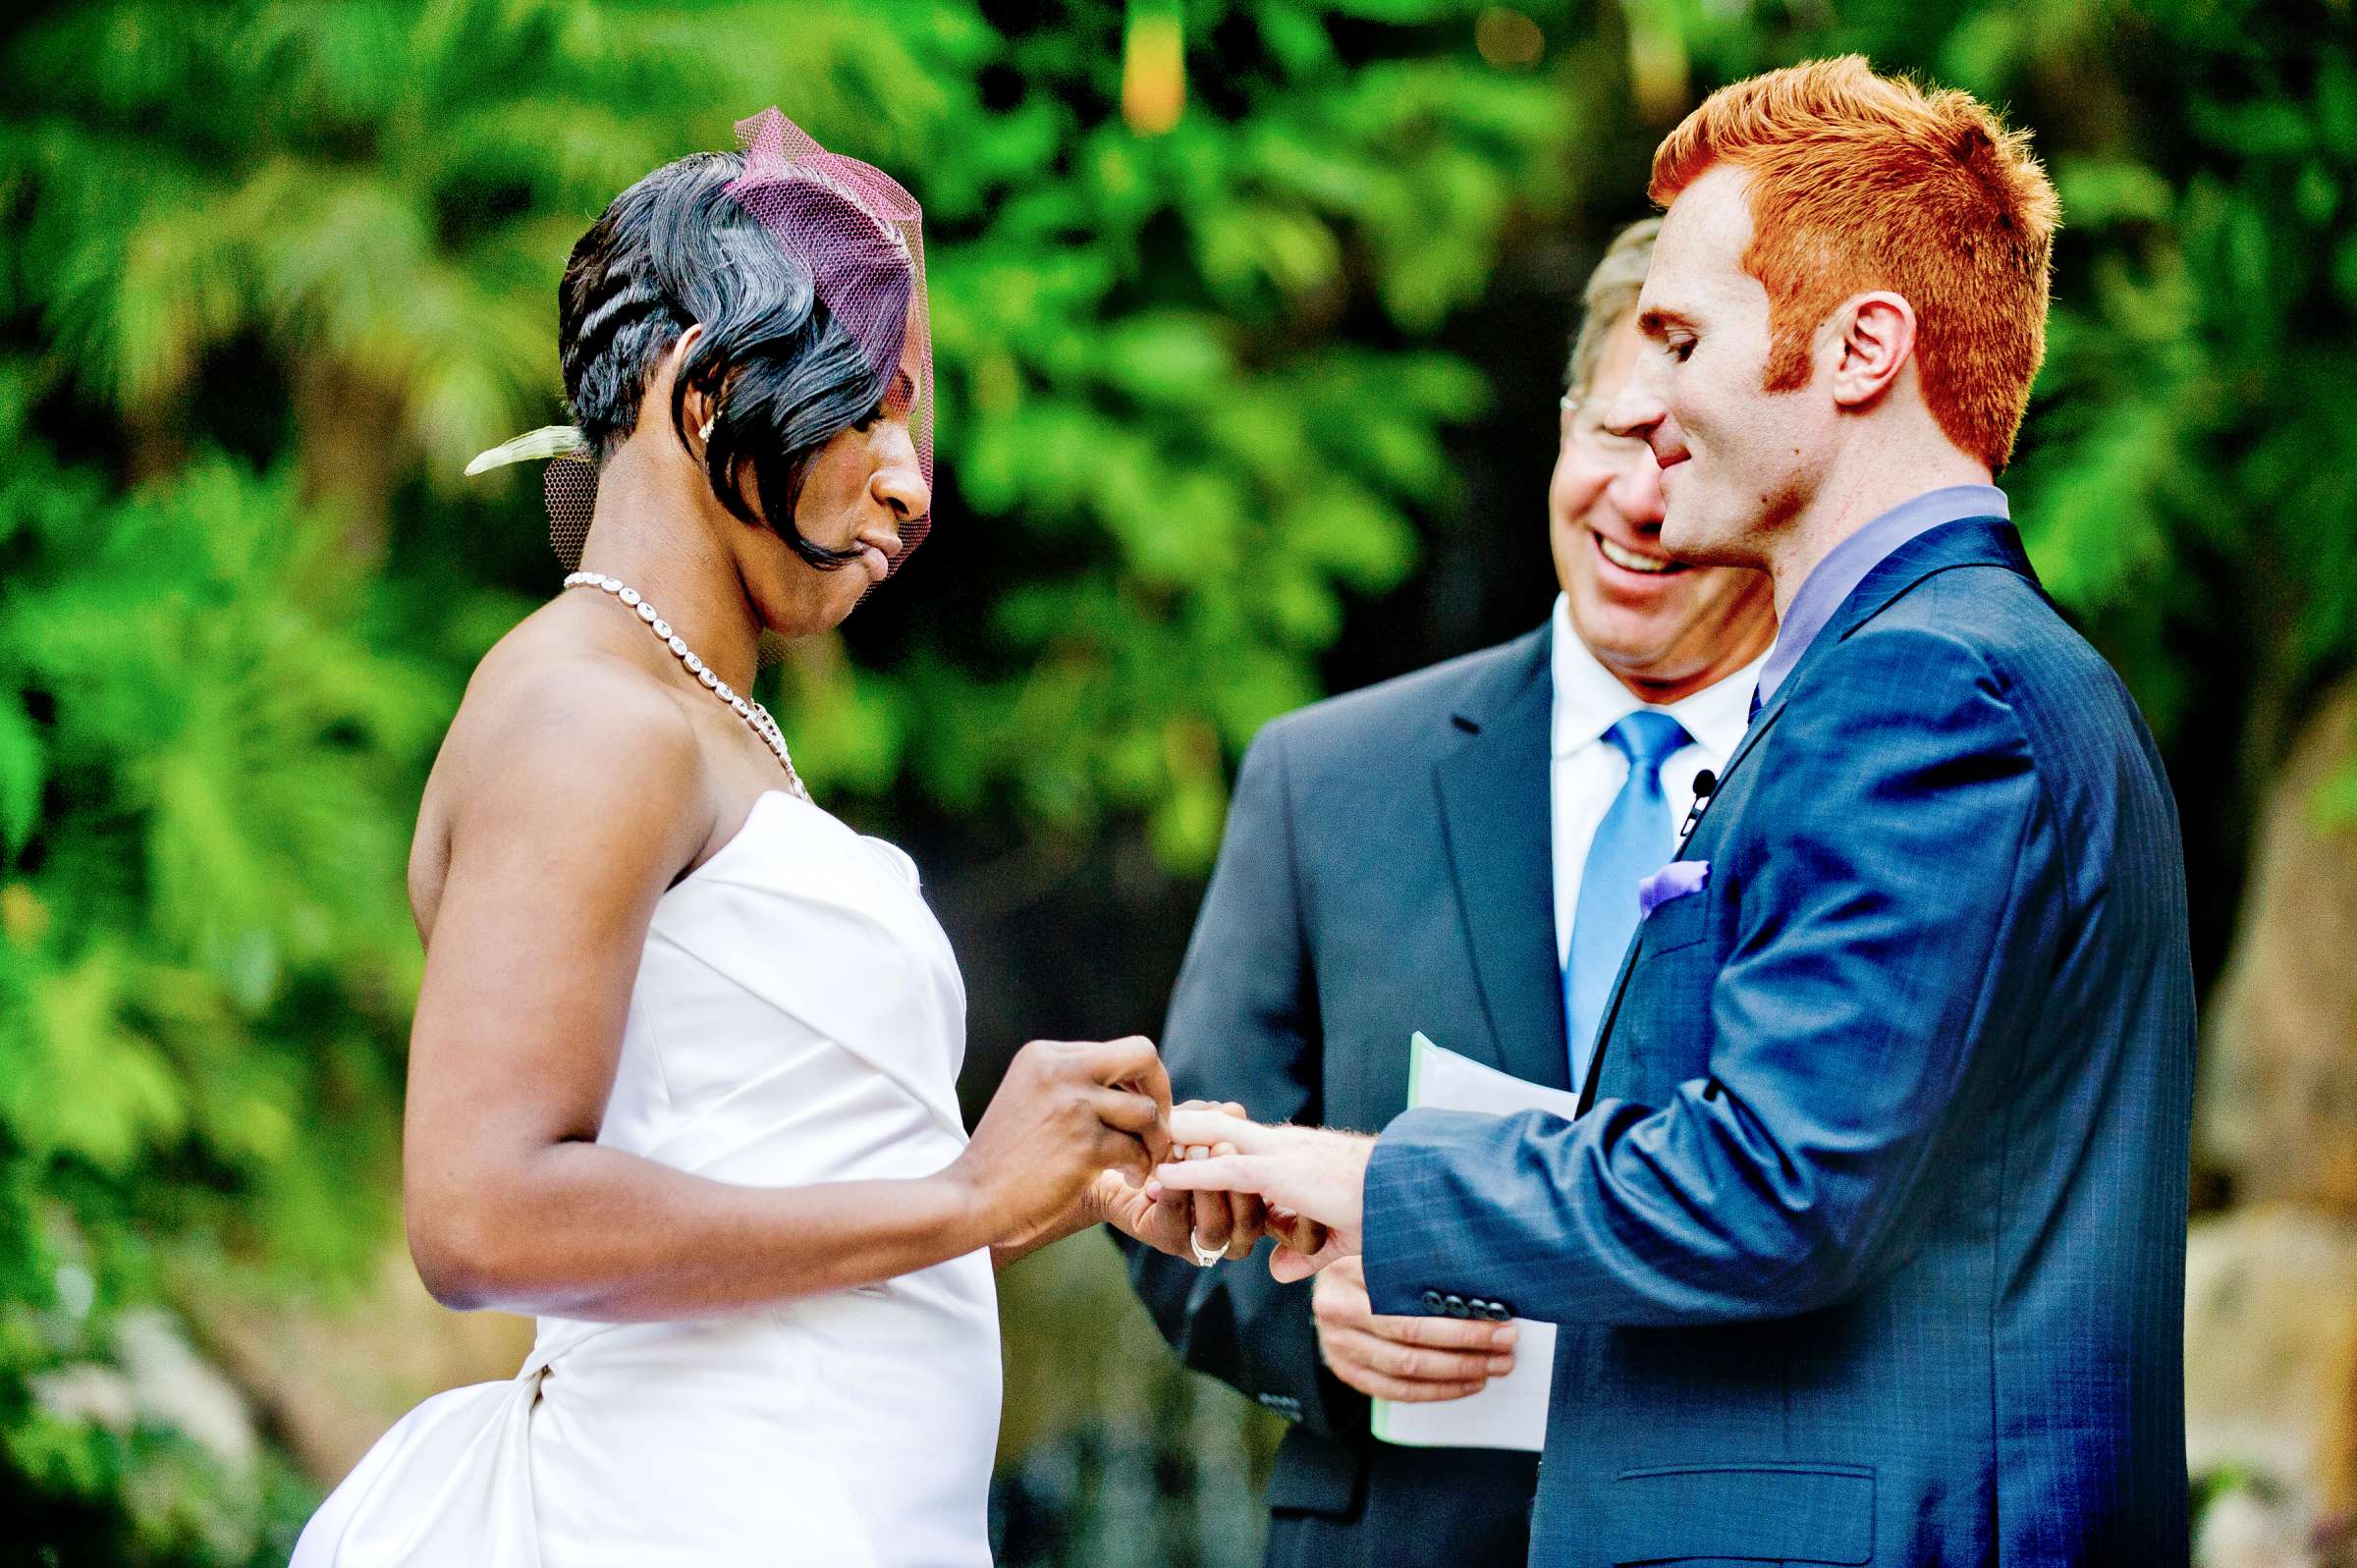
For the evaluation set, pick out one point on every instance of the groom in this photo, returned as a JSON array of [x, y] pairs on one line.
[[1869, 1243]]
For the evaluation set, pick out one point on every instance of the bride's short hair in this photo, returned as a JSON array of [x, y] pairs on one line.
[[786, 376]]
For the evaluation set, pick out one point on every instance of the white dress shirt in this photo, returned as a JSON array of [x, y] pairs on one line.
[[1586, 771]]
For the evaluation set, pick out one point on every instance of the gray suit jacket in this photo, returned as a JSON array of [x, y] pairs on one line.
[[1387, 868]]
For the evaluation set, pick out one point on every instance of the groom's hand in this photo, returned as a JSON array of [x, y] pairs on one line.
[[1186, 1226], [1407, 1360], [1316, 1173]]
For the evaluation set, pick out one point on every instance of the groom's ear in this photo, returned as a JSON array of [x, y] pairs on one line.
[[1876, 338]]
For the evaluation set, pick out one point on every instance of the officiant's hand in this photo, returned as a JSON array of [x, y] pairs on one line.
[[1409, 1360], [1317, 1173], [1067, 1114]]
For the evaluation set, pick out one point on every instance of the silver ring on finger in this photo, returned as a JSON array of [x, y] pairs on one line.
[[1205, 1257]]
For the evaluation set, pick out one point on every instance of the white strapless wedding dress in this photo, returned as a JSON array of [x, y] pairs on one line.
[[797, 1018]]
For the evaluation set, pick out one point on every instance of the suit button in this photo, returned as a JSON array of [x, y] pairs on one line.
[[1500, 1311], [1434, 1304], [1457, 1308]]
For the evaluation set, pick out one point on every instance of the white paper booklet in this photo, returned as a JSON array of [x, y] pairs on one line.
[[1511, 1412]]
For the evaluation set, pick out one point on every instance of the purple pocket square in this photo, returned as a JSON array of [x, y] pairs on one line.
[[1674, 880]]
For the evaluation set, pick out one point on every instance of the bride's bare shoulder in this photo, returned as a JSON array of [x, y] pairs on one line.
[[559, 738], [548, 659]]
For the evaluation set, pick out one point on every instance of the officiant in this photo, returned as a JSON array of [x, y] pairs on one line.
[[1455, 852]]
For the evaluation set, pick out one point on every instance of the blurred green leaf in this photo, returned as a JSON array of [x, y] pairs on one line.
[[275, 271], [21, 775]]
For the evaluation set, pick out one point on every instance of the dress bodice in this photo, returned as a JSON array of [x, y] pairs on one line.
[[798, 1015]]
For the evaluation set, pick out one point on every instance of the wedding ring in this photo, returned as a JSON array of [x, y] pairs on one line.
[[1205, 1257]]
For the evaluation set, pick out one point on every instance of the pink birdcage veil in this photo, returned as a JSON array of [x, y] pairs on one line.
[[861, 236]]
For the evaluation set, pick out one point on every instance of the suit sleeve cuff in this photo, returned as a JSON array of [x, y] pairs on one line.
[[1282, 1370], [1412, 1234]]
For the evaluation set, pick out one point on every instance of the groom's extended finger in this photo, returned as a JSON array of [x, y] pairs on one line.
[[1238, 1213], [1253, 1174], [1244, 1213], [1191, 1124]]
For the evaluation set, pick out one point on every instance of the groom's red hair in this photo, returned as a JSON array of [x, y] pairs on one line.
[[1863, 182]]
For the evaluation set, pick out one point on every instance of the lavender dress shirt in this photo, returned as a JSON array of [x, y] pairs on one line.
[[1845, 566]]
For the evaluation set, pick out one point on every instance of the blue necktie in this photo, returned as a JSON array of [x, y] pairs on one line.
[[1634, 841]]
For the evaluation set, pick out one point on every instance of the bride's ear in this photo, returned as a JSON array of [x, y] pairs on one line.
[[696, 406]]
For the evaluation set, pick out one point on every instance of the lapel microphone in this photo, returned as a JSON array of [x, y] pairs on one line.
[[1704, 782]]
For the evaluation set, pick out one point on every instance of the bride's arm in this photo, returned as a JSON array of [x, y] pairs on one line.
[[574, 798]]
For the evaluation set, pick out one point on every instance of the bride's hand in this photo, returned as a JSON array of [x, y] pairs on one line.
[[1196, 1227], [1067, 1114]]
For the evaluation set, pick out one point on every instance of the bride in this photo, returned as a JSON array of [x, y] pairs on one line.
[[683, 1075]]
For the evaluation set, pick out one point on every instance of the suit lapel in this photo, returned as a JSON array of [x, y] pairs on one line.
[[1969, 542], [1759, 726], [1497, 818]]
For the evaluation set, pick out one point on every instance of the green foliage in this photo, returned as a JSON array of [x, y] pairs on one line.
[[205, 965], [274, 271], [1139, 339], [1140, 356]]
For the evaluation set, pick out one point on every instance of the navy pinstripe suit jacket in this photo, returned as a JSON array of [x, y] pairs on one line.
[[1871, 1246]]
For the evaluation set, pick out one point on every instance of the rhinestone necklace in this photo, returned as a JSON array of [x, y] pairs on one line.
[[756, 717]]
